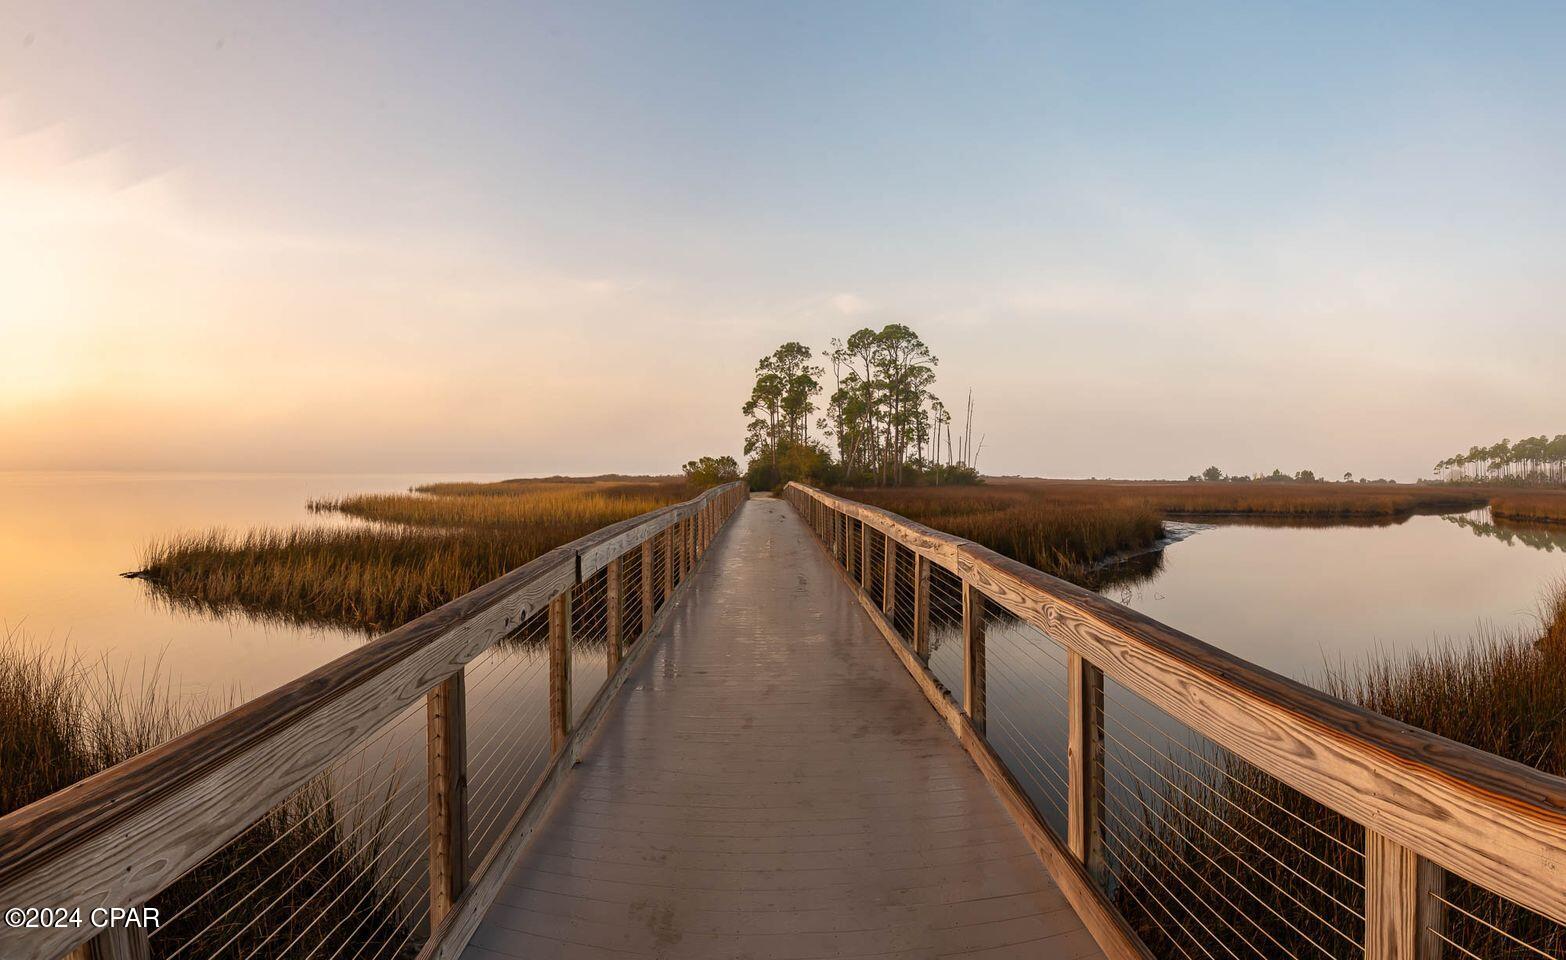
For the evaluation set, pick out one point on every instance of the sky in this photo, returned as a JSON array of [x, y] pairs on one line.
[[540, 238]]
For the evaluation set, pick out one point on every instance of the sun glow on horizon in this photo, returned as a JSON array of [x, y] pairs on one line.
[[415, 249]]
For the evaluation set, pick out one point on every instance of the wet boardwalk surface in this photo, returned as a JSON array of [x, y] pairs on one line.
[[772, 784]]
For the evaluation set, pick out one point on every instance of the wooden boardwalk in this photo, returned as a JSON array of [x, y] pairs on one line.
[[771, 771], [771, 783]]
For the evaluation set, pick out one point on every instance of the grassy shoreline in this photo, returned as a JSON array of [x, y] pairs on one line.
[[1070, 527], [413, 552], [63, 719], [1061, 537], [1501, 693], [1530, 506]]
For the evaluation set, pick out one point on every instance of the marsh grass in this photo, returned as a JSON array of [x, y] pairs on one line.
[[1065, 537], [303, 878], [63, 719], [1537, 506], [1324, 501], [1538, 536], [541, 508], [1224, 832], [358, 578], [1069, 527], [1501, 693], [415, 551]]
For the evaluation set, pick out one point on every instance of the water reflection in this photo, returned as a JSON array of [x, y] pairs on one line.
[[1297, 598], [1302, 599], [66, 537], [1538, 536], [1121, 578]]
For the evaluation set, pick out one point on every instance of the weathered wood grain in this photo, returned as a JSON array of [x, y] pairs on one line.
[[117, 838], [974, 686], [898, 886], [668, 561], [614, 611], [116, 943], [1085, 763], [447, 757], [1391, 899], [1403, 918], [889, 577], [559, 671], [646, 586], [449, 937], [1493, 821], [1430, 915], [1108, 928], [598, 548], [865, 558]]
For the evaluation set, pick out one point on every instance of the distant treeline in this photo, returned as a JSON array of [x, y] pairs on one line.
[[882, 424], [1216, 475], [1538, 459]]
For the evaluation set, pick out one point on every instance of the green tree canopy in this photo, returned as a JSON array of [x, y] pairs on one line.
[[705, 472], [882, 419]]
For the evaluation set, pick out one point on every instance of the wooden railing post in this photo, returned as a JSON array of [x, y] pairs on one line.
[[1085, 763], [921, 610], [614, 611], [115, 943], [1430, 913], [446, 734], [864, 556], [889, 577], [674, 555], [559, 671], [973, 655], [669, 563], [647, 586], [1402, 913]]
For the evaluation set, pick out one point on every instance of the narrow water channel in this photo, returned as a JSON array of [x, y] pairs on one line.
[[1301, 599]]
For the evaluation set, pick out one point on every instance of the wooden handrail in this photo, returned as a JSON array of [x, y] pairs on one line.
[[1496, 822], [119, 837]]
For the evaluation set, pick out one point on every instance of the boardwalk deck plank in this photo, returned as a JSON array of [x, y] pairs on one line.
[[771, 785]]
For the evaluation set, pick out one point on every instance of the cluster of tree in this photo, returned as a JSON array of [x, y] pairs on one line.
[[1215, 475], [707, 472], [1538, 459], [882, 423]]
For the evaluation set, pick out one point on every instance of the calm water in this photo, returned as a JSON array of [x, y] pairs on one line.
[[1297, 600], [1291, 599], [66, 537]]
